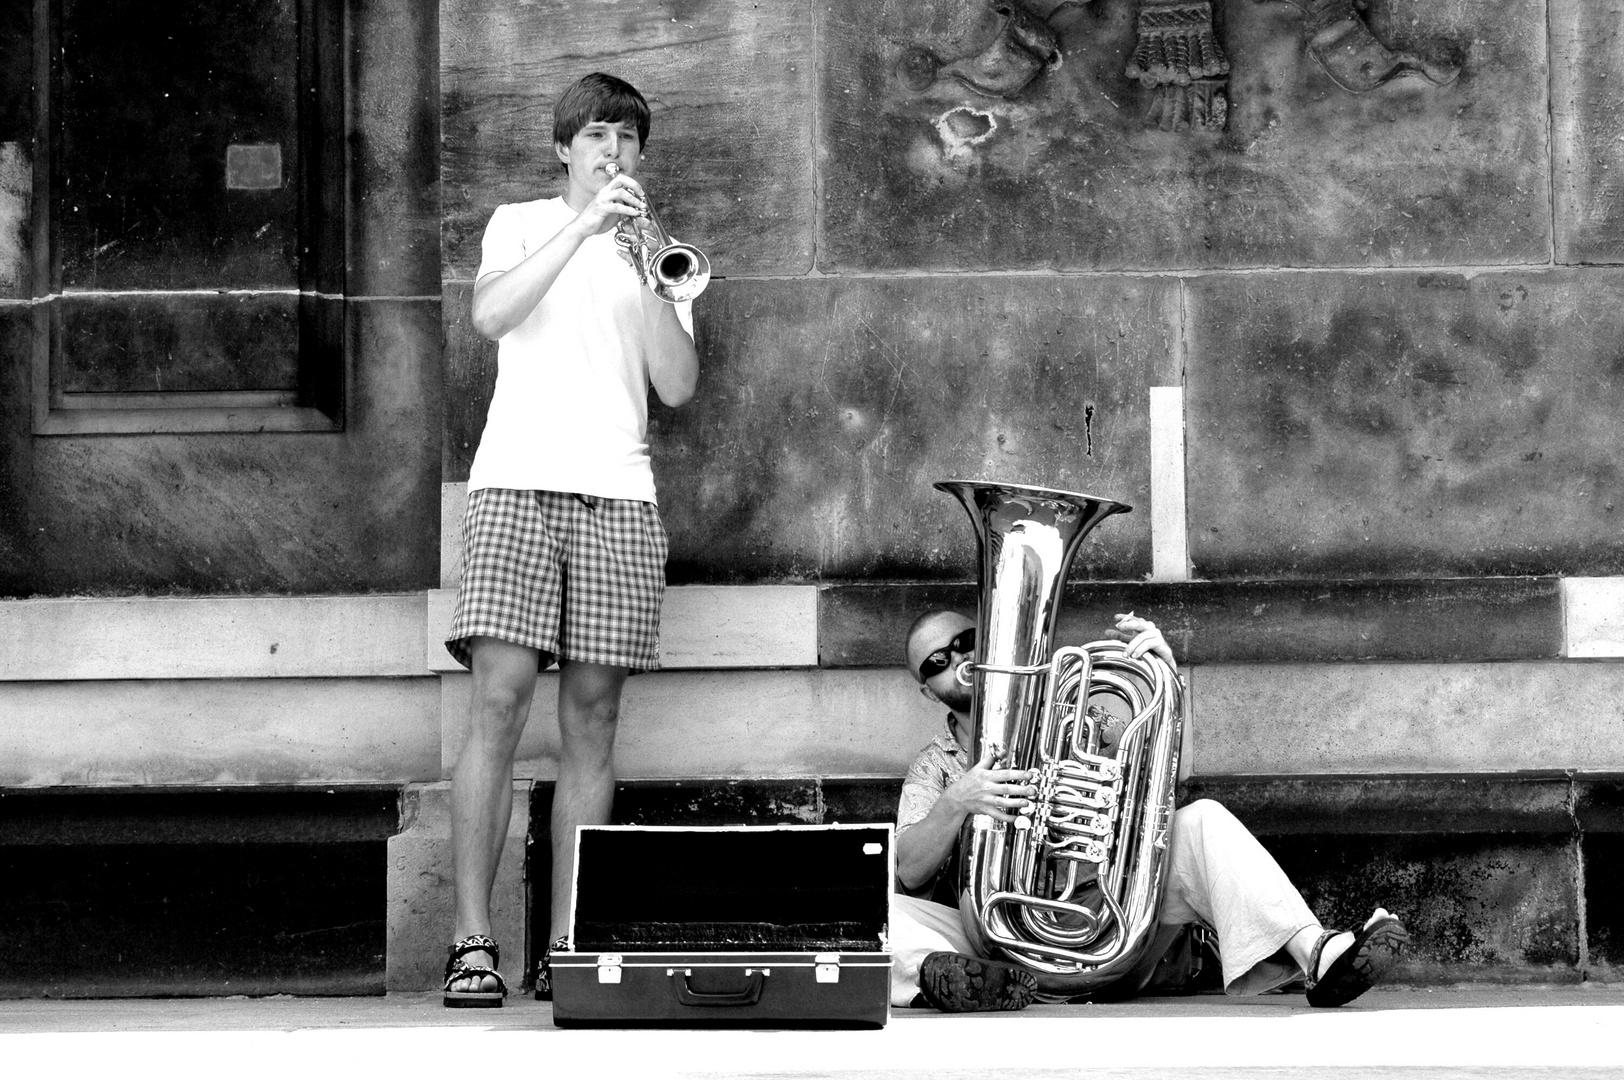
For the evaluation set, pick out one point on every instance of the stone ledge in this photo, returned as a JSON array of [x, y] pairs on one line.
[[1515, 618], [213, 815]]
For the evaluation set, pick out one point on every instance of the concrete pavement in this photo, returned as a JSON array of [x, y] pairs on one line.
[[1441, 1034]]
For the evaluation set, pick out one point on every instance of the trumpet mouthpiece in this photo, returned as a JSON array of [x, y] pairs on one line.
[[613, 169]]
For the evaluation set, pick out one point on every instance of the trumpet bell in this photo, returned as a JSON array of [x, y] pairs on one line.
[[681, 273]]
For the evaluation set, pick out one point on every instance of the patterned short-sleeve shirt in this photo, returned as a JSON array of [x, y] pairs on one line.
[[943, 761]]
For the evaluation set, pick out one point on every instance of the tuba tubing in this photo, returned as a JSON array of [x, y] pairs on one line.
[[1070, 890]]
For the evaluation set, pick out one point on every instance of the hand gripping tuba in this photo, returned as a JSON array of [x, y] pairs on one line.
[[1070, 890]]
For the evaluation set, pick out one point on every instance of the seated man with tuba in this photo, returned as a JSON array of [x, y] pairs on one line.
[[1218, 877]]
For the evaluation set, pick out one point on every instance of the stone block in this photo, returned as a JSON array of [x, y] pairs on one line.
[[16, 221], [1405, 425], [420, 900], [394, 164], [694, 725], [1604, 903], [237, 513], [1241, 621], [1063, 170], [826, 410], [469, 381], [1587, 143], [229, 732], [192, 920], [179, 343], [728, 162], [701, 626], [144, 145], [1414, 805], [1595, 616], [300, 816], [211, 637], [1408, 718], [1481, 908]]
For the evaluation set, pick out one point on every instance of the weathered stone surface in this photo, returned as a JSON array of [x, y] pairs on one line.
[[141, 153], [419, 897], [1594, 616], [827, 409], [16, 221], [1587, 61], [237, 732], [395, 102], [1393, 805], [1407, 718], [715, 802], [1604, 902], [1477, 908], [178, 342], [350, 512], [729, 159], [54, 816], [189, 920], [211, 637], [469, 380], [1216, 622], [690, 725], [1065, 172], [1405, 424]]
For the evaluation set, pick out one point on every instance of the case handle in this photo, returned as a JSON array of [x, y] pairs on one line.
[[737, 998]]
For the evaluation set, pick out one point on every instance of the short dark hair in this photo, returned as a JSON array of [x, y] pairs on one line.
[[599, 97]]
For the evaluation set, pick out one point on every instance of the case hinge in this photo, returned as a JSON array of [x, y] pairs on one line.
[[609, 967], [826, 967]]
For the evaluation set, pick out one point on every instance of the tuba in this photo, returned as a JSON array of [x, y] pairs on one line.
[[674, 272], [1070, 889]]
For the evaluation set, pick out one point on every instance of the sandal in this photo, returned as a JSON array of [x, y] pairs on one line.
[[544, 969], [1375, 949], [456, 970]]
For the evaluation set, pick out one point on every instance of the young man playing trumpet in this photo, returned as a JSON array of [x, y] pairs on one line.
[[1218, 875], [563, 549]]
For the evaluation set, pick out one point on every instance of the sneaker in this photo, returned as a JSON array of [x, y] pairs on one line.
[[544, 969], [956, 983]]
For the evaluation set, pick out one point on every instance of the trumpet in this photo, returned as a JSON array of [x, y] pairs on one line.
[[674, 272]]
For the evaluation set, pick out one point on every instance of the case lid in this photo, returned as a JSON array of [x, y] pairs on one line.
[[819, 888]]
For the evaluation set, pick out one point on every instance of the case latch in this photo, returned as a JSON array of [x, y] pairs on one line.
[[826, 967], [608, 967]]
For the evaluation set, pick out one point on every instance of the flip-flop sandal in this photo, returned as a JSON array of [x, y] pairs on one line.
[[456, 971], [1374, 950], [956, 983]]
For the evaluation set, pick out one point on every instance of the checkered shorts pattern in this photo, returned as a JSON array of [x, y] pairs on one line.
[[577, 576]]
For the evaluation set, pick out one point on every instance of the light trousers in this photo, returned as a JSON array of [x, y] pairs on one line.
[[1218, 874]]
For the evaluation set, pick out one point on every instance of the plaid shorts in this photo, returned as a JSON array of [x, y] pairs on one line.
[[577, 576]]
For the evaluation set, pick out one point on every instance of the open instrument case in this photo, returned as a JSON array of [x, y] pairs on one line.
[[754, 926]]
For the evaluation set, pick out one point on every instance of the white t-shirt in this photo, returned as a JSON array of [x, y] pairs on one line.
[[570, 411]]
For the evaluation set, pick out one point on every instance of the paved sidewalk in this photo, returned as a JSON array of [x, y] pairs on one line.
[[1441, 1034]]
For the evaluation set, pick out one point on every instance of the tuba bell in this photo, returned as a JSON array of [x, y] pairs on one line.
[[1070, 889], [674, 272]]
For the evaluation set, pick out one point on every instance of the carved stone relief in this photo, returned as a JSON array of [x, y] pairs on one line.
[[998, 48], [1341, 41]]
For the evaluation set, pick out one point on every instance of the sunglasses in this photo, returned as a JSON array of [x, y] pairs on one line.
[[942, 659]]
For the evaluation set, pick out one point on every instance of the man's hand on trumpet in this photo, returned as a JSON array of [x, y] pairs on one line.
[[618, 199]]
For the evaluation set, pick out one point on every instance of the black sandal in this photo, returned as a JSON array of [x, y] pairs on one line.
[[544, 969], [1375, 949], [456, 970]]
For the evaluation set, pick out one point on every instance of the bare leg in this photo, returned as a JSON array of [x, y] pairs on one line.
[[482, 783], [588, 710]]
